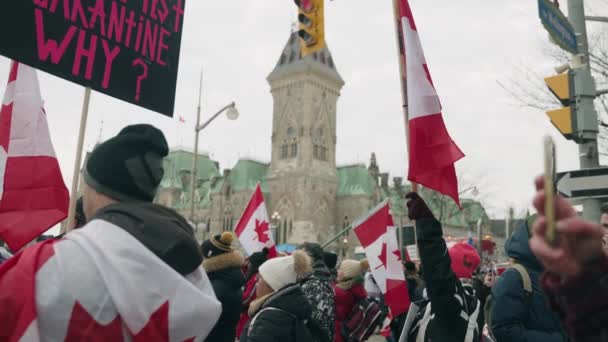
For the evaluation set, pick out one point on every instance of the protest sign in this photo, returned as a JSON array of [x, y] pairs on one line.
[[128, 49]]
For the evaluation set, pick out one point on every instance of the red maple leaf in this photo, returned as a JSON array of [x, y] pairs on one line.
[[383, 255], [261, 228], [157, 328], [83, 327]]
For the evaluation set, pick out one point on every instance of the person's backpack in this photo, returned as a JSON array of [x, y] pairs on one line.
[[363, 321], [525, 277]]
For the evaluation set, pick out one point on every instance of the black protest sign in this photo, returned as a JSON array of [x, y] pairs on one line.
[[128, 49]]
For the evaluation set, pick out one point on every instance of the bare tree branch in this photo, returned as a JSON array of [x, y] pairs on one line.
[[527, 88]]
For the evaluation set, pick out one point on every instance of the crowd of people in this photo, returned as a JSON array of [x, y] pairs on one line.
[[552, 293]]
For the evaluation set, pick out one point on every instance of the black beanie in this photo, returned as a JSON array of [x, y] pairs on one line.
[[331, 259], [258, 258], [314, 250], [128, 167], [217, 245]]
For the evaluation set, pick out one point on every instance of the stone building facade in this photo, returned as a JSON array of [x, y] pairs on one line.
[[309, 198]]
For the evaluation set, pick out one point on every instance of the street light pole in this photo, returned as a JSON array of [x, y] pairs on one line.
[[232, 114], [195, 156]]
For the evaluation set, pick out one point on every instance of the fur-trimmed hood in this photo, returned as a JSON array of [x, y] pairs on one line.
[[223, 261], [225, 273]]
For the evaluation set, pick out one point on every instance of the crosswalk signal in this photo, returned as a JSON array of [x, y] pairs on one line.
[[562, 87], [311, 25]]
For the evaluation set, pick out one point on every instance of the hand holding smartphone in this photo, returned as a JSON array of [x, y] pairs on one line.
[[549, 149]]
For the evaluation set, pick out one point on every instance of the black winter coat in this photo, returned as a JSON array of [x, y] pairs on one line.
[[225, 274], [318, 290], [281, 317], [450, 300]]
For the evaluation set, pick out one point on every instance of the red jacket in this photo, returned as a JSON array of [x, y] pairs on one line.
[[345, 301], [582, 302], [248, 297]]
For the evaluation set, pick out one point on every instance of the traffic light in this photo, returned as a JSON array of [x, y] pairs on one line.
[[564, 119], [311, 25]]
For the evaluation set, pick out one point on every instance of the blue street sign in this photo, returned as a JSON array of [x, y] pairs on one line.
[[558, 26]]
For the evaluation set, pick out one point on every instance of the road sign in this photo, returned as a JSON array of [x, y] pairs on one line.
[[558, 26], [583, 183]]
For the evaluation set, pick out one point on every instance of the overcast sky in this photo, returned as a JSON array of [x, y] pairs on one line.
[[469, 45]]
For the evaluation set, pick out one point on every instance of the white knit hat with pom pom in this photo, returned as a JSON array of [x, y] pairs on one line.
[[280, 272]]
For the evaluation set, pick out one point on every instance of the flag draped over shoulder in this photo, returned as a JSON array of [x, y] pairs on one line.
[[378, 237], [101, 284], [253, 228], [33, 195], [432, 152]]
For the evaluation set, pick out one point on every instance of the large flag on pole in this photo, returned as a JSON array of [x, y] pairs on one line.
[[33, 195], [100, 283], [378, 236], [432, 152], [253, 228]]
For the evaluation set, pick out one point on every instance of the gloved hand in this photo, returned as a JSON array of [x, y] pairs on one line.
[[416, 208]]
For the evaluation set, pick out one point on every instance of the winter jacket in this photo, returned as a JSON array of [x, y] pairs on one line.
[[89, 282], [227, 279], [280, 317], [345, 302], [249, 296], [317, 288], [482, 292], [582, 302], [446, 314], [515, 317]]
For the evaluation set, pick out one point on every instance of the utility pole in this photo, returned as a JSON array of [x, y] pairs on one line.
[[585, 96]]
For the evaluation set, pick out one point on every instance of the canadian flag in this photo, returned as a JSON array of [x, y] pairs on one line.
[[432, 152], [378, 236], [100, 283], [33, 195], [253, 228]]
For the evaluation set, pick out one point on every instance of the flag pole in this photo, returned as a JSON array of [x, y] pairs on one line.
[[402, 77], [403, 80], [76, 175]]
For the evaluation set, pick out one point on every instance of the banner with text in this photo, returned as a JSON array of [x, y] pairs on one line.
[[128, 49]]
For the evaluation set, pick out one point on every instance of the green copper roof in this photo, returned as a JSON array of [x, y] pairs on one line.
[[246, 174], [396, 199], [448, 212], [355, 180], [181, 161]]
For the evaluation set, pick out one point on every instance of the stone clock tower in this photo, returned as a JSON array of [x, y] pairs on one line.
[[302, 172]]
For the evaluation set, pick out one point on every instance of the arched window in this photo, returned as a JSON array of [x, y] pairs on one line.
[[284, 150], [291, 131], [315, 152], [294, 149]]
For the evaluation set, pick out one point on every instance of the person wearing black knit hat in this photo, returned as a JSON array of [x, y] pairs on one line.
[[223, 265], [132, 261], [121, 178]]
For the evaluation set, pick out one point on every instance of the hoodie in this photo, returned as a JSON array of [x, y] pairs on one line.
[[515, 317], [162, 230]]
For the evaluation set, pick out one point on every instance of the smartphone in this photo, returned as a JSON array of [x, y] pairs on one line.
[[549, 147]]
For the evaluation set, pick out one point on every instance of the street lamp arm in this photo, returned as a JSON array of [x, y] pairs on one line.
[[595, 18], [208, 122]]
